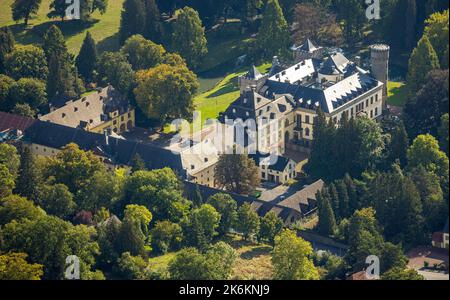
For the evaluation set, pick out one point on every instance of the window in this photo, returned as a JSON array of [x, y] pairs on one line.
[[367, 102], [335, 120], [352, 112], [371, 100], [376, 97], [307, 119], [371, 113], [376, 111], [114, 122], [307, 131], [122, 118], [75, 109]]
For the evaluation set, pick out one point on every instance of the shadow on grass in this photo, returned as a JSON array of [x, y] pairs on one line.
[[229, 87], [256, 252], [398, 96], [110, 43], [35, 34]]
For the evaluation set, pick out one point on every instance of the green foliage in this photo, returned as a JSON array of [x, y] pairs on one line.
[[132, 19], [56, 200], [401, 274], [271, 225], [398, 145], [201, 226], [6, 46], [109, 241], [443, 133], [166, 92], [17, 208], [436, 30], [7, 183], [153, 26], [238, 173], [134, 233], [24, 9], [113, 68], [291, 258], [6, 83], [352, 14], [166, 236], [29, 91], [10, 158], [188, 37], [48, 241], [14, 266], [273, 37], [423, 59], [142, 53], [86, 60], [131, 267], [137, 164], [220, 259], [423, 111], [159, 191], [26, 61], [226, 206], [23, 110], [327, 221], [247, 221]]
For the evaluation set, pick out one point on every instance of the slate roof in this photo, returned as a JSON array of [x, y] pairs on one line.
[[119, 151], [93, 109], [274, 162], [304, 199]]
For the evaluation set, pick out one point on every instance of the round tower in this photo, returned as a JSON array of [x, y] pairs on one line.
[[379, 61]]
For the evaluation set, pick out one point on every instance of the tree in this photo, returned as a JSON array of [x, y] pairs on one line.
[[17, 208], [28, 179], [134, 231], [291, 258], [62, 81], [86, 60], [58, 8], [327, 222], [273, 38], [160, 191], [29, 91], [153, 27], [10, 158], [137, 164], [14, 266], [436, 30], [113, 68], [6, 45], [271, 226], [201, 226], [316, 23], [102, 190], [57, 200], [6, 83], [398, 145], [6, 181], [352, 14], [73, 167], [48, 241], [247, 221], [423, 59], [401, 274], [226, 206], [443, 133], [166, 92], [109, 241], [189, 264], [23, 110], [132, 19], [23, 9], [237, 173], [423, 111], [220, 259], [142, 53], [26, 61], [166, 236], [401, 26], [188, 37], [131, 267]]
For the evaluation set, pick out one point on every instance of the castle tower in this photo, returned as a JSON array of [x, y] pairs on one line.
[[379, 61]]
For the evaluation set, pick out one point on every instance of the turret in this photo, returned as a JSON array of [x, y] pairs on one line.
[[379, 61]]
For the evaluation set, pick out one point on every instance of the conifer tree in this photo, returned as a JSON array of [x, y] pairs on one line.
[[137, 163], [352, 193], [153, 27], [86, 60], [327, 221], [6, 45], [132, 19], [28, 179], [423, 59], [334, 200], [273, 37], [398, 145], [344, 200]]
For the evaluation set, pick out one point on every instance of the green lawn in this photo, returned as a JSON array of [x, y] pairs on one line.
[[217, 99], [397, 94], [103, 28]]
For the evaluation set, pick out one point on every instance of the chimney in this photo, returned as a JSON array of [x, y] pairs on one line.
[[106, 137]]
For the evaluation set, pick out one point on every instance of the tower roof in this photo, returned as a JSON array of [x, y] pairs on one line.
[[253, 73]]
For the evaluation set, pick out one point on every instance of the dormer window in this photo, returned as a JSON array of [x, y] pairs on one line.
[[268, 108], [192, 167], [206, 159], [63, 115], [258, 99], [87, 104], [245, 100], [283, 73], [83, 99], [75, 109]]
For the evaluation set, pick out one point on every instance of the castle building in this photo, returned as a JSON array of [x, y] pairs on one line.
[[291, 96]]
